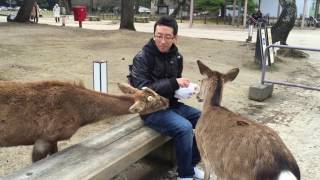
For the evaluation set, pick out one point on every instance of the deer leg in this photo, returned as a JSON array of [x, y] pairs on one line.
[[54, 148], [206, 169], [43, 148], [204, 157]]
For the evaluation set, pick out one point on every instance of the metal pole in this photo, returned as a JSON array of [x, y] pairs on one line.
[[239, 13], [180, 9], [233, 11], [304, 13], [191, 14], [317, 9], [293, 85], [245, 13], [92, 7], [259, 4]]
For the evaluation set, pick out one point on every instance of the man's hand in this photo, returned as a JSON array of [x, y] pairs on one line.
[[183, 82]]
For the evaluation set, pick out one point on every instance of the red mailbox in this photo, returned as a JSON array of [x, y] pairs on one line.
[[79, 13]]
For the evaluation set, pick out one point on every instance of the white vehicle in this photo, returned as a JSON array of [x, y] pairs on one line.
[[3, 8], [143, 9]]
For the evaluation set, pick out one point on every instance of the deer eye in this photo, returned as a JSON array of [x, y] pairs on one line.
[[150, 98]]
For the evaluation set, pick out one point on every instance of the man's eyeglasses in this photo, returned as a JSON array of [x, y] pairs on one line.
[[164, 37]]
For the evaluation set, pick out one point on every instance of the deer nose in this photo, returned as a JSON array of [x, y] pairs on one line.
[[199, 99], [165, 102]]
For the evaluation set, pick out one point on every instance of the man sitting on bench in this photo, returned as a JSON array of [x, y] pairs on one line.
[[159, 66]]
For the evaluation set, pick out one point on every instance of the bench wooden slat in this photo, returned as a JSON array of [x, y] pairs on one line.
[[100, 157], [128, 150]]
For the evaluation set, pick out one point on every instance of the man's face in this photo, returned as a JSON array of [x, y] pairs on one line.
[[164, 38]]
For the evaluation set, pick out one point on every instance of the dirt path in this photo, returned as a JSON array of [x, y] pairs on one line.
[[42, 52]]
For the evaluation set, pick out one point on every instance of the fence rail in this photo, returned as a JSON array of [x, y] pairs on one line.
[[264, 67]]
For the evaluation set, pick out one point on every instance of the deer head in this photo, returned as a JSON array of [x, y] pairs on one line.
[[145, 101], [212, 83]]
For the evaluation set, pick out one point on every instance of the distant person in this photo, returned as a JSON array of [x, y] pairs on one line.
[[257, 16], [63, 15], [253, 20], [56, 13]]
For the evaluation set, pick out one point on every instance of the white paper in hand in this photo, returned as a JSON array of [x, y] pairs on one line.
[[185, 93]]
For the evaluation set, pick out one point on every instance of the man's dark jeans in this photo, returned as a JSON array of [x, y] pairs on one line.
[[178, 122]]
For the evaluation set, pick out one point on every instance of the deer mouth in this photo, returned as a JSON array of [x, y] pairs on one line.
[[165, 103], [200, 99]]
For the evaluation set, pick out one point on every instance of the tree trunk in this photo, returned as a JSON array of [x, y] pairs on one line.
[[245, 13], [239, 13], [178, 9], [281, 29], [233, 11], [67, 5], [225, 11], [316, 15], [127, 15], [304, 13], [25, 11]]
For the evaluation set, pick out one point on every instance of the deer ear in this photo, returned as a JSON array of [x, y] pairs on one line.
[[150, 91], [126, 88], [231, 75], [204, 70]]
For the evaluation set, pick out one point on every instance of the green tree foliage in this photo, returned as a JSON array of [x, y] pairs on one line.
[[144, 3], [251, 6], [212, 6]]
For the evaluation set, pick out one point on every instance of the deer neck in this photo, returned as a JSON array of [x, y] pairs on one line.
[[214, 96], [97, 106], [207, 104]]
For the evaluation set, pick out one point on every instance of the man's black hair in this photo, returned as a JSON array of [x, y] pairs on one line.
[[167, 21]]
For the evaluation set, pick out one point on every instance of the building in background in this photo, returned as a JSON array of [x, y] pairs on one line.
[[273, 9]]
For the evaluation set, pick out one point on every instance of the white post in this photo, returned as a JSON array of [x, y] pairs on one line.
[[153, 7], [100, 76], [234, 11], [304, 12], [191, 14], [245, 13]]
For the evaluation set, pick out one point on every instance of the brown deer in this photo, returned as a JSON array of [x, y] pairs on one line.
[[42, 113], [234, 147]]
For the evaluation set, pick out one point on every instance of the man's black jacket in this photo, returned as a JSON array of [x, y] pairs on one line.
[[157, 70]]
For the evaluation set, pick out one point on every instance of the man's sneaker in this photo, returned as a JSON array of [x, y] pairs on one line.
[[198, 173], [179, 178]]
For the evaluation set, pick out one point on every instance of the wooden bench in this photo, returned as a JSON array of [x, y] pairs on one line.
[[100, 157], [94, 18], [141, 19]]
